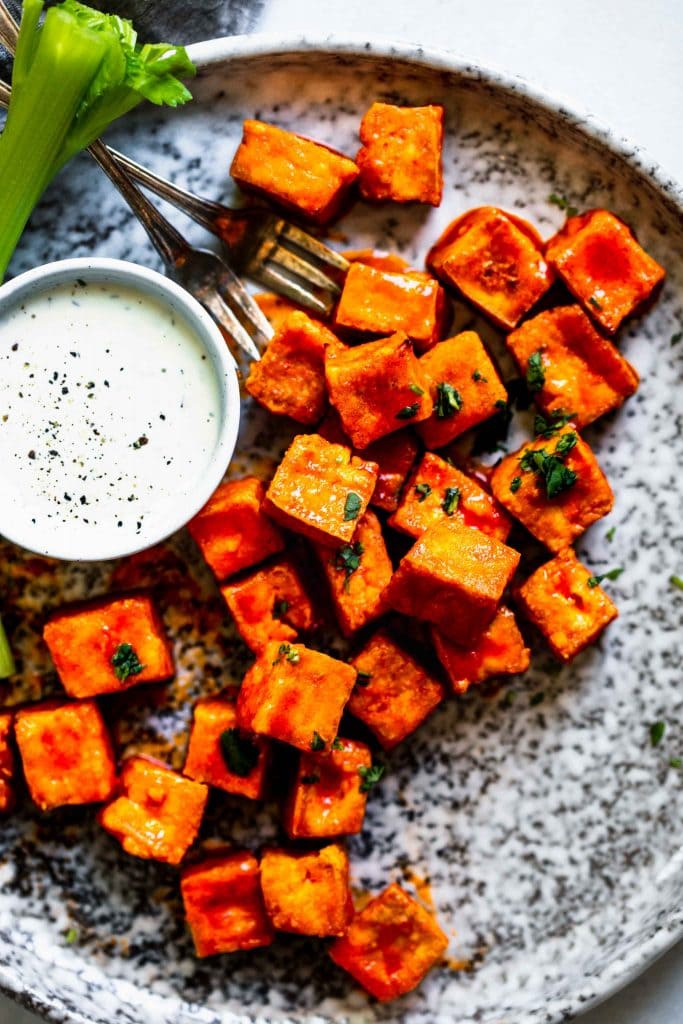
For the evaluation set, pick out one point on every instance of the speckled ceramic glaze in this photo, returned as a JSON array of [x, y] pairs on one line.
[[548, 828]]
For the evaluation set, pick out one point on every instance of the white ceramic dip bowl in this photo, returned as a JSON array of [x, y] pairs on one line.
[[119, 408]]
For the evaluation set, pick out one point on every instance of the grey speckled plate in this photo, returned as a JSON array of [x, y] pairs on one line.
[[550, 831]]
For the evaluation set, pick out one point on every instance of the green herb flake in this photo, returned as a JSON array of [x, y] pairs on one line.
[[408, 412], [479, 378], [337, 744], [125, 662], [509, 698], [675, 338], [370, 776], [515, 484], [423, 491], [537, 698], [548, 427], [562, 204], [317, 743], [675, 762], [310, 780], [549, 466], [280, 609], [352, 506], [71, 936], [535, 374], [287, 652], [613, 574], [348, 559], [676, 581], [448, 400], [363, 678], [451, 499], [416, 389], [594, 302], [657, 730], [610, 534], [239, 753]]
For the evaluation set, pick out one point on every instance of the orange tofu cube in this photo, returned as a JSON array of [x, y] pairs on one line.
[[274, 307], [109, 645], [224, 904], [289, 378], [437, 491], [555, 488], [358, 574], [326, 799], [232, 530], [295, 172], [496, 261], [394, 455], [581, 372], [565, 602], [499, 651], [393, 693], [307, 892], [390, 945], [453, 576], [400, 157], [464, 385], [377, 388], [66, 754], [320, 489], [603, 266], [269, 604], [7, 792], [295, 695], [381, 302], [157, 813], [221, 755]]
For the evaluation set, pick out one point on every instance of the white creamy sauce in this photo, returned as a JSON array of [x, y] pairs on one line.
[[109, 413]]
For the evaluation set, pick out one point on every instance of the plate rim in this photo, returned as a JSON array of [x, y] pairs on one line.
[[209, 53]]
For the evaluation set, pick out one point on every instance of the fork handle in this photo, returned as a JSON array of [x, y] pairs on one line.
[[168, 242]]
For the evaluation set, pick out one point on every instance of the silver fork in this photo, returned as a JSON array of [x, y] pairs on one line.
[[259, 243], [201, 272]]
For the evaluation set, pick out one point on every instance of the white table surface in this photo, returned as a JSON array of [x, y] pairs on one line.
[[619, 59]]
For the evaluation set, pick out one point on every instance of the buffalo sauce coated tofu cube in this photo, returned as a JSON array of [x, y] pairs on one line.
[[222, 755], [565, 602], [496, 261], [400, 157], [293, 171], [554, 486], [603, 266], [224, 905], [464, 385], [437, 491], [453, 576], [571, 368], [275, 308], [394, 455], [390, 944], [377, 388], [232, 531], [109, 645], [327, 798], [381, 302], [393, 693], [499, 651], [269, 604], [307, 892], [295, 695], [157, 813], [358, 574], [320, 489], [289, 378], [66, 754], [7, 793]]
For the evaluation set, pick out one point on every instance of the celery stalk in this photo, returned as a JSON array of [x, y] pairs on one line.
[[7, 666]]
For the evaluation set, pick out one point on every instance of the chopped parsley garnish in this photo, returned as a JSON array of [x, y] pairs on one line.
[[562, 204], [675, 338], [535, 374], [515, 484], [610, 533], [549, 466], [509, 698], [676, 581], [310, 780], [423, 490], [675, 762], [125, 662], [416, 389], [363, 678], [280, 609], [537, 698], [478, 377], [141, 442], [594, 302], [448, 400], [317, 743], [451, 499], [71, 936], [408, 411], [239, 753], [613, 574], [287, 652], [370, 776], [337, 744], [566, 443], [352, 506], [657, 730], [347, 560], [549, 427]]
